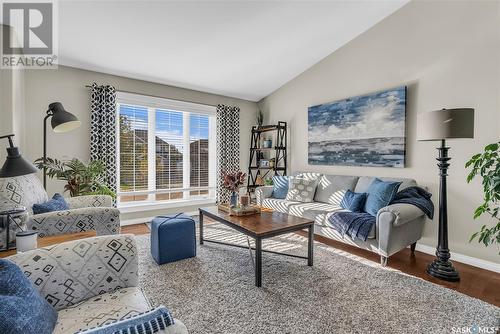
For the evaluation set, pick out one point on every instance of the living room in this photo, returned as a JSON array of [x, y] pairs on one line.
[[156, 185]]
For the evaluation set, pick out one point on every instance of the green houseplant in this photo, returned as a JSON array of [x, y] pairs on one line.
[[487, 165], [81, 179]]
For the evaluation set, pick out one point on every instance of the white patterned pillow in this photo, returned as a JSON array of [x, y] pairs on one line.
[[301, 189]]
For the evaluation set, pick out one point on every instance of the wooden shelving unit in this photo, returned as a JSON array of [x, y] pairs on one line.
[[278, 152]]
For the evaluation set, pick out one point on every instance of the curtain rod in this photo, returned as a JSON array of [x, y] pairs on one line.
[[160, 97]]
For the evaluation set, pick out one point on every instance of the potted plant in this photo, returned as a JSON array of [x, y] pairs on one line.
[[233, 182], [260, 118], [81, 179], [487, 165]]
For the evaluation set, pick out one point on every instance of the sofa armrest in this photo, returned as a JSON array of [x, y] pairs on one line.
[[89, 201], [103, 220], [263, 192], [400, 214], [73, 271]]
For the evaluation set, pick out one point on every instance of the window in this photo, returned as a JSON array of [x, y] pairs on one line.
[[166, 150]]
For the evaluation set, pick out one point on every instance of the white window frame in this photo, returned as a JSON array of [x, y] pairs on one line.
[[152, 104]]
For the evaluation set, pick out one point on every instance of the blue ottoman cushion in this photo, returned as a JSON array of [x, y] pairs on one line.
[[173, 238]]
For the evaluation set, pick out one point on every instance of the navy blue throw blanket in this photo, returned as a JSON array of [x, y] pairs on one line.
[[358, 224], [418, 197]]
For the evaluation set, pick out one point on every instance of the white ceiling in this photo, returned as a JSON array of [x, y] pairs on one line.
[[243, 49]]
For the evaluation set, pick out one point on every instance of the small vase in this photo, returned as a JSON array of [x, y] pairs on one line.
[[234, 199]]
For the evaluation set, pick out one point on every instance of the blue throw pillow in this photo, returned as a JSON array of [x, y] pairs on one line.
[[380, 194], [280, 186], [57, 203], [354, 202], [23, 310]]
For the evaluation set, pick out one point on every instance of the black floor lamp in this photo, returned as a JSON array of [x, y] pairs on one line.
[[62, 121], [441, 125], [15, 165]]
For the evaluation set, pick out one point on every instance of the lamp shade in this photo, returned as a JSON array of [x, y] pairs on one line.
[[15, 164], [445, 124], [62, 121]]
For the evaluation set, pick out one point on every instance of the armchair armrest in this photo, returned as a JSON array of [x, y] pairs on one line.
[[73, 271], [89, 201], [103, 220], [400, 214], [263, 192]]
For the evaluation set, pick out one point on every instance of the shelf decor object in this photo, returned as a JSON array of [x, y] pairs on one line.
[[62, 121], [440, 125], [259, 167]]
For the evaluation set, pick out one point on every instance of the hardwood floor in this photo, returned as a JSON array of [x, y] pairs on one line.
[[475, 282]]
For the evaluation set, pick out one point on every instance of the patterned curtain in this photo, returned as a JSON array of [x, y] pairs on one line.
[[228, 146], [103, 130]]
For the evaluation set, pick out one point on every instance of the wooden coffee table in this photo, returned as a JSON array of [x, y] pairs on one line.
[[266, 224], [53, 240]]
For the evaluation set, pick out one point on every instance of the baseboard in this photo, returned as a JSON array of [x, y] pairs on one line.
[[472, 261], [143, 220]]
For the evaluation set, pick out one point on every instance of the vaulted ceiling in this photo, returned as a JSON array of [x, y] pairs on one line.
[[243, 49]]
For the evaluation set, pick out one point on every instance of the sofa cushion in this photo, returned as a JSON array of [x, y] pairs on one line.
[[354, 202], [380, 194], [331, 188], [23, 309], [280, 205], [21, 191], [102, 309], [365, 181], [280, 186], [301, 189], [57, 203]]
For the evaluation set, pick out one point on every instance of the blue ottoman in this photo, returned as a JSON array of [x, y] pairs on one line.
[[172, 238]]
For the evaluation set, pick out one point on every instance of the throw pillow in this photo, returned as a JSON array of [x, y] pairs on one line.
[[380, 194], [280, 186], [23, 308], [152, 321], [301, 190], [57, 203], [354, 202]]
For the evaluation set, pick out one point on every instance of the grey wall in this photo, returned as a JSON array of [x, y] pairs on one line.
[[448, 53], [67, 85]]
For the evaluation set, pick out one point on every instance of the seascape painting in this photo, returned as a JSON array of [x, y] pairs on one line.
[[367, 130]]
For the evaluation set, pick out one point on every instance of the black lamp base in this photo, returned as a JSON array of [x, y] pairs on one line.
[[443, 270]]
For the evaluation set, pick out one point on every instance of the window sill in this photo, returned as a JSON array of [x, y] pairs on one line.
[[149, 206]]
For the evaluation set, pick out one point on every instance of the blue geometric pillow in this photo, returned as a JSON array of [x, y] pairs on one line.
[[57, 203], [23, 309], [354, 202], [280, 186], [380, 194]]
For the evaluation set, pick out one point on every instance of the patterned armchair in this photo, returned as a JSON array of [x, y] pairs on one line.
[[86, 212], [90, 282]]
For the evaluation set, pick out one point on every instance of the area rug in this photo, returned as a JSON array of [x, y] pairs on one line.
[[342, 293]]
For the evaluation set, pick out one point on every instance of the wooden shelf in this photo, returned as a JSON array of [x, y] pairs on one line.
[[267, 128], [272, 168], [276, 148]]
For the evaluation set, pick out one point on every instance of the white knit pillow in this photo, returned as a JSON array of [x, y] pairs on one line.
[[301, 189]]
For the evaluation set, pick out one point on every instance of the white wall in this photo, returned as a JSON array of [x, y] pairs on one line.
[[67, 85], [448, 53]]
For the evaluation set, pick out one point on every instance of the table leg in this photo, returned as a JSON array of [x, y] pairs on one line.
[[310, 245], [258, 262], [201, 227]]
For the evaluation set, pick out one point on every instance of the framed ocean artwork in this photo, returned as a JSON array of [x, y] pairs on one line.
[[367, 130]]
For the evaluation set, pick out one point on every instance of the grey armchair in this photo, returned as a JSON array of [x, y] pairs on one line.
[[94, 212]]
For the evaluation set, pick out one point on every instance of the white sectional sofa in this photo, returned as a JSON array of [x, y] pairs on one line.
[[397, 226]]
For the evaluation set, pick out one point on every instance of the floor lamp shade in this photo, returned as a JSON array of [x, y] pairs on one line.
[[445, 124], [62, 121], [441, 125]]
